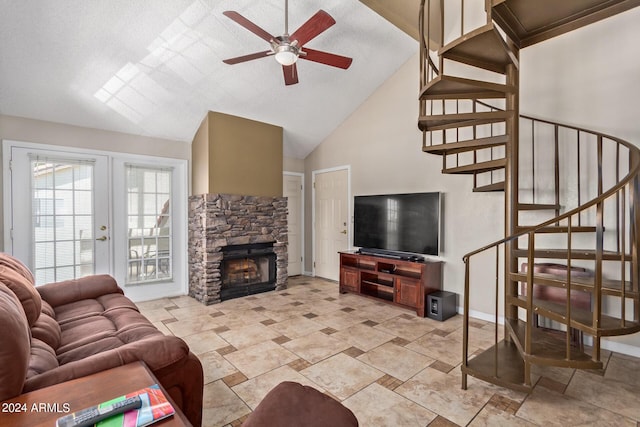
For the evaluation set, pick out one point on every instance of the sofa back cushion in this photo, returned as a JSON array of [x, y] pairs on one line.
[[15, 349], [46, 328], [25, 291], [16, 265]]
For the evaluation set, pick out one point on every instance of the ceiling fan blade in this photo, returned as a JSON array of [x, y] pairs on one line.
[[313, 27], [326, 58], [246, 58], [235, 16], [290, 74]]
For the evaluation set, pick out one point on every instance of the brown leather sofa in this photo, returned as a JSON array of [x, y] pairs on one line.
[[65, 330]]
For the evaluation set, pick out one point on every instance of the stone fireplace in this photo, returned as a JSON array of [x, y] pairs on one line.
[[236, 239]]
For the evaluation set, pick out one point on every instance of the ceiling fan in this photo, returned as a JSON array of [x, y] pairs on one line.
[[288, 48]]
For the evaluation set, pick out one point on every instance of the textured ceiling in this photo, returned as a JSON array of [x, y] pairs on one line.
[[155, 68]]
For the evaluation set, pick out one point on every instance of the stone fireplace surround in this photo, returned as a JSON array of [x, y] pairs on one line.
[[218, 220]]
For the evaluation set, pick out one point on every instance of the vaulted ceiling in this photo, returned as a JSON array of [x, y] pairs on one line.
[[155, 68]]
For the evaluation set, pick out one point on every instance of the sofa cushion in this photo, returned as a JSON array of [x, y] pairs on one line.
[[16, 265], [43, 358], [47, 329], [47, 309], [15, 348], [93, 326], [84, 288], [24, 290], [77, 311]]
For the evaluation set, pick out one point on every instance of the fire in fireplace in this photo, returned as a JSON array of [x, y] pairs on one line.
[[247, 270]]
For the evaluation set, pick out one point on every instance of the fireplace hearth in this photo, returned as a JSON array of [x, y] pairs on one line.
[[247, 270]]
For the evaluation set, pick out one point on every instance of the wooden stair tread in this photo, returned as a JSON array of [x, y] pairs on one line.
[[449, 87], [575, 254], [561, 229], [477, 167], [483, 47], [467, 145], [547, 348], [450, 121], [528, 22], [587, 284], [537, 206], [580, 319], [509, 371], [496, 186]]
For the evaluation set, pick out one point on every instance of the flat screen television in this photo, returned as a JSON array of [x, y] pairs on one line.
[[398, 222]]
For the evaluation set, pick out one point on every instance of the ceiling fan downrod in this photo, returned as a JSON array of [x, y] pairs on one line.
[[286, 17]]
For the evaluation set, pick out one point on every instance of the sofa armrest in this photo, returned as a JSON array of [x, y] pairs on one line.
[[89, 287], [158, 352]]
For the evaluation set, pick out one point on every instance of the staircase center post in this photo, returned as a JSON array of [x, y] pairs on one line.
[[511, 189]]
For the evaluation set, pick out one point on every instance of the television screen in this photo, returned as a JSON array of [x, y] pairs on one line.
[[398, 222]]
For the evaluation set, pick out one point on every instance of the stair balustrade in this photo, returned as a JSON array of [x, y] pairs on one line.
[[571, 195]]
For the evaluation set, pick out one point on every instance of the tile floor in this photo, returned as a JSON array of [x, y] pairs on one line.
[[390, 367]]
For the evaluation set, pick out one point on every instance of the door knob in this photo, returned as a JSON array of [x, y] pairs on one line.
[[344, 232], [102, 239]]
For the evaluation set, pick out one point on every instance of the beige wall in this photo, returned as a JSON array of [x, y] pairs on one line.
[[30, 130], [200, 159], [289, 164], [43, 132], [381, 142], [242, 157], [587, 78]]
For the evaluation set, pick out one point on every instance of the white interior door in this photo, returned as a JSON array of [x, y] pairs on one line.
[[331, 215], [292, 190], [60, 222]]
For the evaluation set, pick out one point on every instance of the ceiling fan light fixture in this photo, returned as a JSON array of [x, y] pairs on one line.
[[286, 55]]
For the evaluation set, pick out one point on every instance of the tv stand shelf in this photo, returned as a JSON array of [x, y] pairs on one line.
[[404, 283]]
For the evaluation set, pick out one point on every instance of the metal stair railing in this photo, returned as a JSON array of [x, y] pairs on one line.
[[429, 70], [615, 209]]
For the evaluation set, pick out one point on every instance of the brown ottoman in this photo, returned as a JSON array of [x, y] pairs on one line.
[[292, 404]]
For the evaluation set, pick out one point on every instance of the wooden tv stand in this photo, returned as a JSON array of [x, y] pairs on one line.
[[400, 282]]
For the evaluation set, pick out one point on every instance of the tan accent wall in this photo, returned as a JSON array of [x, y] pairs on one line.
[[240, 156]]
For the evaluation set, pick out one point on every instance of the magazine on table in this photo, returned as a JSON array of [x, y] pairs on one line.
[[136, 409]]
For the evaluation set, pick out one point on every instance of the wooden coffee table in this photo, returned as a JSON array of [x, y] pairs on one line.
[[44, 406]]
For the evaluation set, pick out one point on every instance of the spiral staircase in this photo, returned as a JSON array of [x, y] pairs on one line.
[[572, 201]]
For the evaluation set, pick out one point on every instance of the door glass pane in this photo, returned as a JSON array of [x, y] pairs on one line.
[[62, 219], [149, 224]]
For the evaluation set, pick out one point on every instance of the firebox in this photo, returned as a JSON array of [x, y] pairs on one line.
[[247, 270]]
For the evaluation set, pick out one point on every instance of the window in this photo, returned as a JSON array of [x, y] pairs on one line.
[[62, 218], [148, 223]]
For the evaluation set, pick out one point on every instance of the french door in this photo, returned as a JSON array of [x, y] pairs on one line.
[[70, 213], [60, 223]]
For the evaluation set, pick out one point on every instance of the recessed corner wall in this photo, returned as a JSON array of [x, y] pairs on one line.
[[234, 155]]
